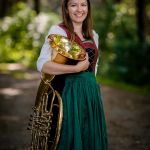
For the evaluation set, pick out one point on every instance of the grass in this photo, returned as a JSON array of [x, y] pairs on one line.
[[143, 90]]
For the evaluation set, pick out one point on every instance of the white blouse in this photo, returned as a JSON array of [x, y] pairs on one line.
[[46, 51]]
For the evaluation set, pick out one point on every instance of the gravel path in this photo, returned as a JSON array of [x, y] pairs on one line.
[[127, 114]]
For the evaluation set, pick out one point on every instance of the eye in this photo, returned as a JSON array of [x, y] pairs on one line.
[[84, 5], [73, 5]]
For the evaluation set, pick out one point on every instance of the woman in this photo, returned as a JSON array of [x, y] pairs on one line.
[[83, 126]]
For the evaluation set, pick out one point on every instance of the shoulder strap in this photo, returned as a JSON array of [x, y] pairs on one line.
[[65, 29]]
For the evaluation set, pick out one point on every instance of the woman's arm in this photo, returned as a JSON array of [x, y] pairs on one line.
[[46, 51], [51, 67]]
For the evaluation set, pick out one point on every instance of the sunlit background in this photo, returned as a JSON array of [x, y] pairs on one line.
[[124, 42]]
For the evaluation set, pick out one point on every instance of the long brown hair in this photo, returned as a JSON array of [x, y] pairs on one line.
[[87, 23]]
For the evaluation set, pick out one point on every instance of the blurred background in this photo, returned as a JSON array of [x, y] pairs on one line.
[[123, 72]]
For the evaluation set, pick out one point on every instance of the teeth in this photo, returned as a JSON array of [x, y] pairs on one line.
[[79, 15]]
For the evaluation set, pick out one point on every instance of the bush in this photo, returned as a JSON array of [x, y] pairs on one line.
[[123, 58], [23, 34]]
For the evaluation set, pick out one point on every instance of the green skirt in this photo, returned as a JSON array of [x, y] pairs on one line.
[[84, 126]]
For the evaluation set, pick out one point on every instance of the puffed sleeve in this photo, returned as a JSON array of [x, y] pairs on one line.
[[46, 50], [96, 39]]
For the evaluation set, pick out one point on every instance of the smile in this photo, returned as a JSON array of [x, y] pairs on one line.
[[79, 15]]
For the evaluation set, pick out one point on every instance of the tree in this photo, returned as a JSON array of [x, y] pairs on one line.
[[37, 6], [6, 5], [140, 5]]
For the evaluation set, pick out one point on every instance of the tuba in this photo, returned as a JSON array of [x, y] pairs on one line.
[[46, 120]]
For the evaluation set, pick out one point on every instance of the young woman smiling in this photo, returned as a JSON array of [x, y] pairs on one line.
[[83, 126]]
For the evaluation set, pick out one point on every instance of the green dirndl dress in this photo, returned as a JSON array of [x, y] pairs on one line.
[[83, 126]]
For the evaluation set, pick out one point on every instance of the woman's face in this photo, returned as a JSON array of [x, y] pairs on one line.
[[78, 10]]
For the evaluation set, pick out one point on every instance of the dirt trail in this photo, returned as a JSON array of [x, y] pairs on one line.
[[127, 114]]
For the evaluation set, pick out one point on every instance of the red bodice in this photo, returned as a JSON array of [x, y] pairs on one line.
[[88, 45]]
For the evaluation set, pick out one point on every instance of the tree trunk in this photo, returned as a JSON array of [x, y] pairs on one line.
[[140, 6], [3, 8], [37, 6]]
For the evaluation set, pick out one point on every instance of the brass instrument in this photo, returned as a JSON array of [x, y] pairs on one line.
[[46, 120]]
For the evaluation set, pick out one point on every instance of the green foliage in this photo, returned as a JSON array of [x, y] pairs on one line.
[[22, 34], [131, 63], [123, 57], [124, 86], [102, 21]]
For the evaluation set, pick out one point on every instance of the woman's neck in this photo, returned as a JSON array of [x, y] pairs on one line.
[[78, 30]]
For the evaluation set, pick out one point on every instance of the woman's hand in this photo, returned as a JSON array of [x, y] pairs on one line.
[[83, 64]]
